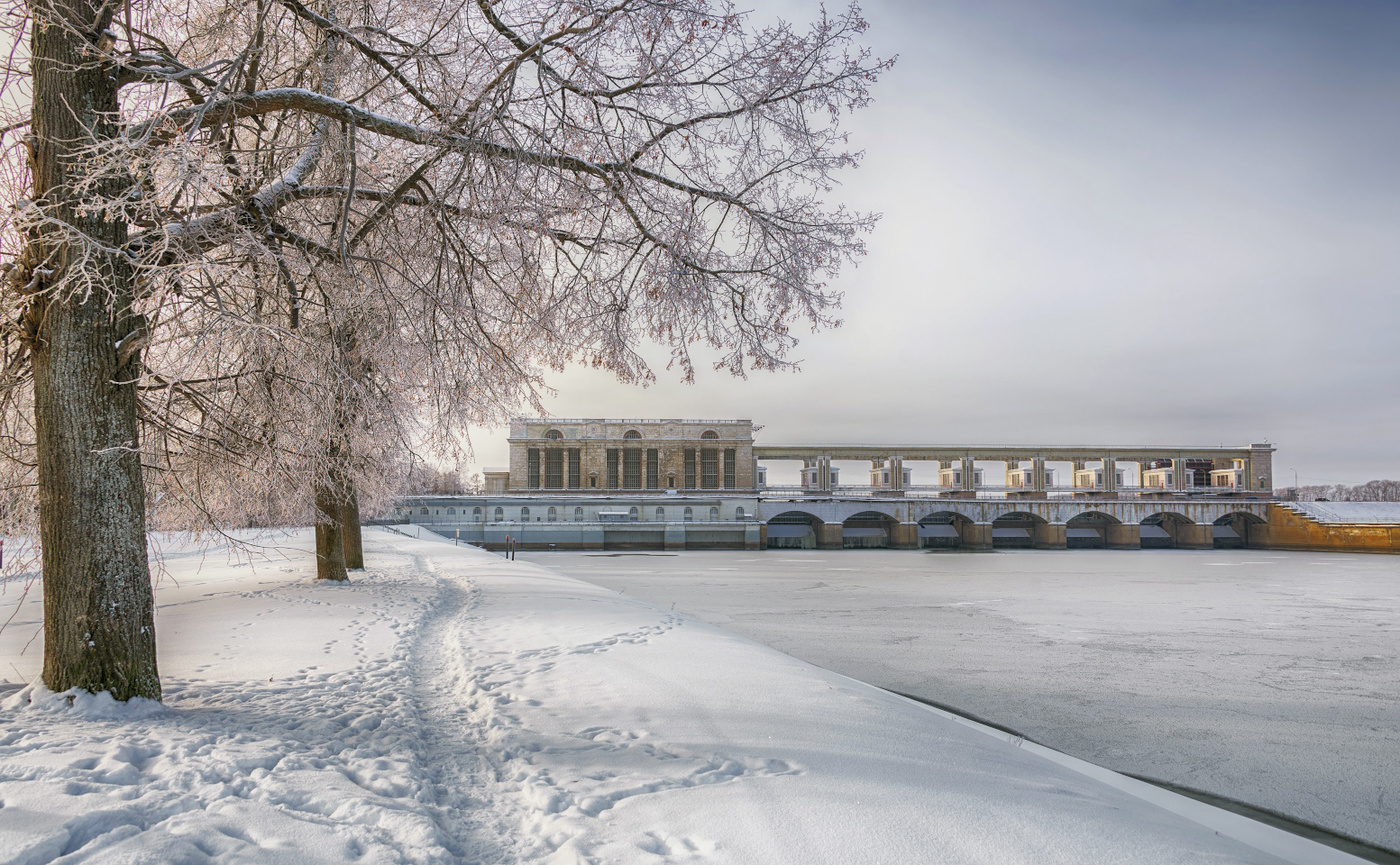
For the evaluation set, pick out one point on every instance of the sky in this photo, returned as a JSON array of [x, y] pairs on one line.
[[1105, 222]]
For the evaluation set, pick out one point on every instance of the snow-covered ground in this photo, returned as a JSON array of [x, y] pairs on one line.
[[1268, 677], [452, 706]]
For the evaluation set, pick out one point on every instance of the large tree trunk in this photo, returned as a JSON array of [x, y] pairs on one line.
[[99, 633], [350, 527], [330, 540]]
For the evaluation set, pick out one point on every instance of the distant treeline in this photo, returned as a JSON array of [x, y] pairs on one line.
[[1371, 491]]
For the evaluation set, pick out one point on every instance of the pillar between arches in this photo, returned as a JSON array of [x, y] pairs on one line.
[[1049, 536], [905, 536]]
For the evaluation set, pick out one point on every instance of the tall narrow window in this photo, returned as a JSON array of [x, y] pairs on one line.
[[709, 469], [532, 465], [729, 468], [554, 468], [578, 515], [574, 476], [612, 468], [690, 468], [660, 515], [653, 469], [714, 515], [632, 468]]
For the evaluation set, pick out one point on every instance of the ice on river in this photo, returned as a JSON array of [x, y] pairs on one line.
[[1267, 677], [450, 706]]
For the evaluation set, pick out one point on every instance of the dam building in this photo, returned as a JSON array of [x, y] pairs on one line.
[[665, 484]]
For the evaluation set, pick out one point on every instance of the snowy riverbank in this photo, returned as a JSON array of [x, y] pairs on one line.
[[451, 706]]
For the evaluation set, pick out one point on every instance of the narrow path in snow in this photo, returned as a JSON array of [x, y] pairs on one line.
[[458, 774]]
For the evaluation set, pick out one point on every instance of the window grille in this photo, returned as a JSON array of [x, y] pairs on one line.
[[554, 468], [612, 468], [709, 469]]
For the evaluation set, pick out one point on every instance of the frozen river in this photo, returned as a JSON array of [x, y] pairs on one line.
[[1272, 678]]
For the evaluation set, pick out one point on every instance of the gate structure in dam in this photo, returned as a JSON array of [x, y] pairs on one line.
[[983, 524]]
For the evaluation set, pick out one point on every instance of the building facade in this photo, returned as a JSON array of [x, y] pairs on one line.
[[605, 456]]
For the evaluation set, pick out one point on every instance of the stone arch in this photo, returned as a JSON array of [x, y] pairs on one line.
[[554, 435], [1014, 529], [632, 434], [1089, 530], [867, 530], [1233, 530], [1166, 530], [793, 530], [943, 530], [709, 435]]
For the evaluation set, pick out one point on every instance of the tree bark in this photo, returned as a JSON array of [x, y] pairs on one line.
[[99, 631], [330, 539], [350, 527]]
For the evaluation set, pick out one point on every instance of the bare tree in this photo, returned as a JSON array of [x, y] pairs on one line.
[[277, 236]]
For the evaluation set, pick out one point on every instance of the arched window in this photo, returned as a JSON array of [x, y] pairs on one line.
[[425, 512], [633, 515], [554, 435], [578, 515], [452, 512], [689, 514], [524, 515], [714, 514], [738, 513], [476, 515], [631, 434], [661, 514], [500, 515], [553, 515], [709, 434]]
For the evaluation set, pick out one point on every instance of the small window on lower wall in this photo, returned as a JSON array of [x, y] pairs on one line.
[[714, 514], [500, 515], [661, 515], [738, 513], [578, 515], [476, 515], [553, 515], [689, 514], [524, 515]]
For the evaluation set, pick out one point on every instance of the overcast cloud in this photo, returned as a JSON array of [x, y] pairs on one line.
[[1105, 222]]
